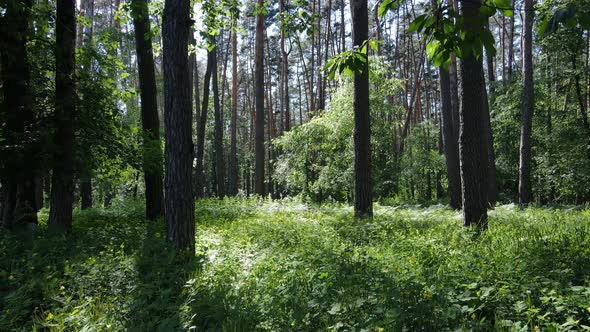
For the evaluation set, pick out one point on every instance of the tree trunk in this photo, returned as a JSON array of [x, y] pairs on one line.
[[528, 105], [62, 186], [363, 203], [197, 122], [86, 193], [152, 150], [259, 125], [450, 145], [179, 203], [286, 124], [202, 126], [89, 13], [19, 151], [472, 145], [510, 47], [219, 160], [492, 192], [233, 157]]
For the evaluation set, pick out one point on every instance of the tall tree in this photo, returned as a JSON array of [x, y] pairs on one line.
[[528, 104], [202, 126], [19, 160], [259, 86], [85, 172], [363, 202], [286, 123], [152, 150], [233, 155], [472, 142], [219, 162], [179, 203], [62, 184], [451, 148]]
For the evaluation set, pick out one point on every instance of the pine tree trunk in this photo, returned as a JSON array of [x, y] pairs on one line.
[[363, 203], [152, 151], [233, 158], [259, 123], [201, 128], [450, 145], [62, 183], [19, 152], [219, 160], [179, 203], [86, 193], [528, 104], [472, 142], [492, 192]]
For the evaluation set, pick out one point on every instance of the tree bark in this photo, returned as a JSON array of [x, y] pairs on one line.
[[451, 148], [19, 162], [472, 146], [152, 151], [528, 104], [219, 160], [363, 203], [233, 155], [202, 126], [62, 186], [179, 203], [259, 123], [510, 47], [492, 192]]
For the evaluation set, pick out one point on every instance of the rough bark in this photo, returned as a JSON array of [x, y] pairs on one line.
[[472, 147], [62, 184], [179, 203], [259, 123], [528, 104], [363, 204], [152, 150]]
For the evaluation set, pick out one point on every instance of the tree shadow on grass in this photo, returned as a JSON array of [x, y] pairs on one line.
[[157, 302]]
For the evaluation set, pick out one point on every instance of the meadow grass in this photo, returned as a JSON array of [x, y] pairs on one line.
[[288, 266]]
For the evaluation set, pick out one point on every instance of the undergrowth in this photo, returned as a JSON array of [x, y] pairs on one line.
[[287, 266]]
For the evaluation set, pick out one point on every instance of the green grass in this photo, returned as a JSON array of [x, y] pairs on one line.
[[283, 266]]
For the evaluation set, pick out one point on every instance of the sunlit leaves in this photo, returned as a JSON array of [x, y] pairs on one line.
[[387, 5], [351, 61]]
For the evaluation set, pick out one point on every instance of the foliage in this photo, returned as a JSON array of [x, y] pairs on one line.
[[316, 158], [283, 265]]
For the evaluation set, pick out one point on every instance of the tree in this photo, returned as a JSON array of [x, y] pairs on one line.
[[363, 202], [259, 115], [219, 157], [528, 104], [472, 142], [233, 154], [152, 151], [85, 172], [62, 184], [179, 203], [19, 162], [202, 125], [451, 149]]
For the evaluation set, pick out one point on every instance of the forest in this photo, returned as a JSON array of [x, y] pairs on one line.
[[294, 165]]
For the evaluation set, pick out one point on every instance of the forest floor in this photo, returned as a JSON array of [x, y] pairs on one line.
[[285, 265]]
